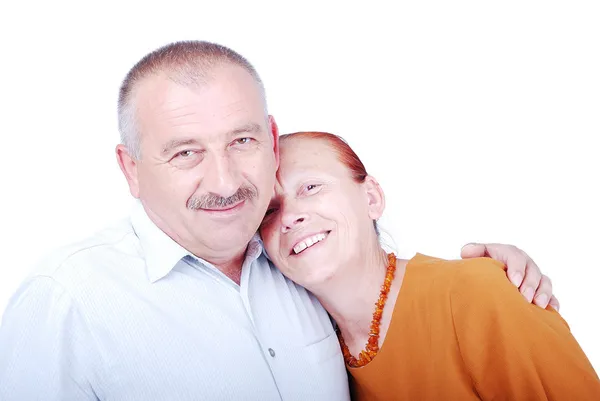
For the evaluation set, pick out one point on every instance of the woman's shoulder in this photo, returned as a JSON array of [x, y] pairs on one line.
[[467, 277], [472, 284], [465, 269]]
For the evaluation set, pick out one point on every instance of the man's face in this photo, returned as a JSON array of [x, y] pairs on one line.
[[208, 160]]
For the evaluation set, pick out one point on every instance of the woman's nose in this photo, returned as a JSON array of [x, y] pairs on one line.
[[292, 220]]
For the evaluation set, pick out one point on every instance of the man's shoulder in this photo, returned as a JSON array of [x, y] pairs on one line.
[[117, 239]]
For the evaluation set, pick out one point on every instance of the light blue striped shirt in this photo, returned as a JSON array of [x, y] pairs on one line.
[[131, 315]]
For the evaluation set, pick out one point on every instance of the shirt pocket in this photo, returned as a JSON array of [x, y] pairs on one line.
[[323, 350]]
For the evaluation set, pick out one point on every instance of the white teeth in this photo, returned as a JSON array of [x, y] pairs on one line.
[[300, 247], [307, 243]]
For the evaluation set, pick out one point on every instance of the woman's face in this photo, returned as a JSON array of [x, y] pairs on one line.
[[319, 216]]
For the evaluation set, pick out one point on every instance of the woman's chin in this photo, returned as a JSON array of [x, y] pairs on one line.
[[311, 267]]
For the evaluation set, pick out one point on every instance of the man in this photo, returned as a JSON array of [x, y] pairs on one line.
[[179, 302]]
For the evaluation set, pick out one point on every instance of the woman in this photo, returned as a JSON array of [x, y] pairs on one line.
[[418, 329]]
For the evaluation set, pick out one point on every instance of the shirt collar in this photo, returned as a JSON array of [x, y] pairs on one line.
[[255, 249], [162, 253]]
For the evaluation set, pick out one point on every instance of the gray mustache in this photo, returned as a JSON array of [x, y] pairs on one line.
[[214, 201]]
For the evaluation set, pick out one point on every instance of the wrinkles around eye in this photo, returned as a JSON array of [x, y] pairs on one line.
[[186, 158]]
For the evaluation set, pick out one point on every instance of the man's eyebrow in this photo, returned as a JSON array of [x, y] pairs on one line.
[[175, 143], [250, 128]]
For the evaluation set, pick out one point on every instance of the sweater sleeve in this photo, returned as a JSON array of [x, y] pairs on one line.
[[512, 349]]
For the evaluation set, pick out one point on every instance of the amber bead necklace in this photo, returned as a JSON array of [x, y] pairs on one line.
[[372, 347]]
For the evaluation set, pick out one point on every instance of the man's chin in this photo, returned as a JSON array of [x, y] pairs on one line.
[[229, 241]]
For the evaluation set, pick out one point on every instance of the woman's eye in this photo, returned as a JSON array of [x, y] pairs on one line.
[[269, 216], [310, 189], [270, 210]]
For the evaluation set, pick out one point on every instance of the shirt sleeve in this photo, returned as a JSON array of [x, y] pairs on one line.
[[514, 349], [42, 349]]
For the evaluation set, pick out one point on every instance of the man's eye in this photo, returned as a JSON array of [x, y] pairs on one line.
[[243, 141], [186, 153], [187, 159], [310, 187]]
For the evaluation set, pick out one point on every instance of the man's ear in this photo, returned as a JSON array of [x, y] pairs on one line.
[[129, 167], [275, 133], [375, 197]]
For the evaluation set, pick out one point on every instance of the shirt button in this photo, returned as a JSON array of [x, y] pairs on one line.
[[272, 352]]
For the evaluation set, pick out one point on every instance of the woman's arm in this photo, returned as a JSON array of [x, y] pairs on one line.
[[514, 349]]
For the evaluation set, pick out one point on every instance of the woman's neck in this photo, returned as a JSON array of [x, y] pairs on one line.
[[350, 296]]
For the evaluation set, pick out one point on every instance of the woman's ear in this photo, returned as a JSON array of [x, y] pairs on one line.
[[375, 197]]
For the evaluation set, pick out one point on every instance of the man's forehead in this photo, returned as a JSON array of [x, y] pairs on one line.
[[166, 107], [220, 89]]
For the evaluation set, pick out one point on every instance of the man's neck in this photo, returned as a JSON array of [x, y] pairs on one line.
[[231, 268]]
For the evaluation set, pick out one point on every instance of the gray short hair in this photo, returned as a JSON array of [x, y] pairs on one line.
[[188, 63]]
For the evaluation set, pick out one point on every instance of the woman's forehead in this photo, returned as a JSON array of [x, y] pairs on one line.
[[304, 158], [305, 151]]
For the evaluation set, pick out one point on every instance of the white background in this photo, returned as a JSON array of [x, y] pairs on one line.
[[480, 119]]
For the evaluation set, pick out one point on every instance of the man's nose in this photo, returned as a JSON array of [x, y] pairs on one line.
[[221, 176]]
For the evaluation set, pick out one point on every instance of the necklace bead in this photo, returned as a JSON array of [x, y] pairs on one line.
[[372, 346]]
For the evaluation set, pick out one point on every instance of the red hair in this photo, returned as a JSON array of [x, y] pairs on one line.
[[345, 153]]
